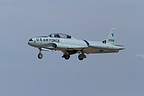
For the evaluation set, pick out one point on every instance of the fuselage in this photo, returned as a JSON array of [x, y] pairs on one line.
[[72, 44]]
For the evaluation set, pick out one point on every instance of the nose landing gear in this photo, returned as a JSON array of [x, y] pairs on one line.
[[40, 55]]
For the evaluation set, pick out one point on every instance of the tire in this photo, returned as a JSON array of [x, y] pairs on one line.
[[40, 55], [80, 57], [67, 57]]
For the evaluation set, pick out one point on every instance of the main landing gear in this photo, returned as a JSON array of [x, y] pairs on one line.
[[80, 57], [66, 56]]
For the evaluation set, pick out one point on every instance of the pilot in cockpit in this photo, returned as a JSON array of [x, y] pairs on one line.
[[57, 35]]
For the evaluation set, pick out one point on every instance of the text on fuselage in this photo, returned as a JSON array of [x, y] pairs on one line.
[[49, 40]]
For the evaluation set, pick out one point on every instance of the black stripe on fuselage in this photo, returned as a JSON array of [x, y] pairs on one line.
[[86, 42]]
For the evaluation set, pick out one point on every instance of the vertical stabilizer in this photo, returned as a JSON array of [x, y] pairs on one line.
[[111, 37]]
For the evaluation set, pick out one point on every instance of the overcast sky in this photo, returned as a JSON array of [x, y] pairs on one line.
[[120, 74]]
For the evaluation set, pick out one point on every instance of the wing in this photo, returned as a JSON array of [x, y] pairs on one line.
[[57, 46], [73, 49], [98, 50]]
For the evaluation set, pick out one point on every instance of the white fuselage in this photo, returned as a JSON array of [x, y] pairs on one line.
[[73, 44]]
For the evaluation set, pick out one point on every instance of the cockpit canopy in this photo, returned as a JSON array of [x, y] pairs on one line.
[[60, 35]]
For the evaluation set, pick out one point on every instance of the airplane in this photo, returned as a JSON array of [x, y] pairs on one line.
[[70, 45]]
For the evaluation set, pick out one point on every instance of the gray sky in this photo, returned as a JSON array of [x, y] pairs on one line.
[[22, 74]]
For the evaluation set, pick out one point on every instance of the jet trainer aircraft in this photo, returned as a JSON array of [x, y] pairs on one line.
[[69, 45]]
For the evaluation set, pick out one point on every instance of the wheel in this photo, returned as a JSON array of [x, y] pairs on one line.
[[81, 56], [66, 57], [40, 55]]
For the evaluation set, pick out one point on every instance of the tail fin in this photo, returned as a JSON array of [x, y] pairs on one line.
[[111, 37]]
